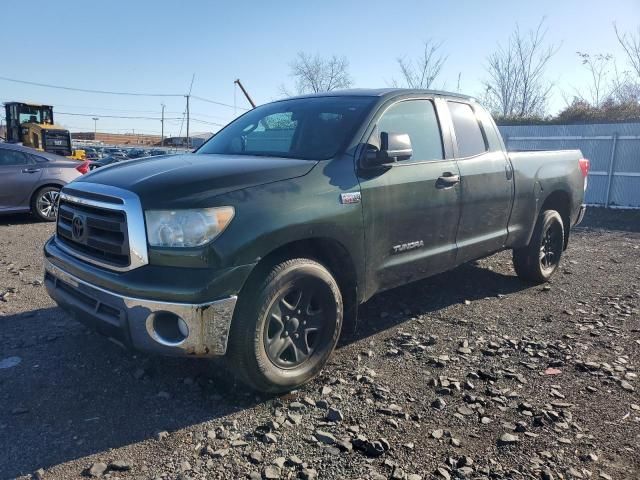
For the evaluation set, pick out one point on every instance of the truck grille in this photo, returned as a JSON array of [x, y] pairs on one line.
[[94, 232]]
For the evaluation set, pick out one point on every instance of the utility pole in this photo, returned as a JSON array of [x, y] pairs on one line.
[[188, 141], [162, 121], [237, 82], [95, 127]]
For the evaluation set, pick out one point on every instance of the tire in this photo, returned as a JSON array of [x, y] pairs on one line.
[[285, 329], [44, 204], [539, 260]]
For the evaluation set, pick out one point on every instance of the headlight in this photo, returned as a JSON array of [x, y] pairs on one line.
[[186, 228]]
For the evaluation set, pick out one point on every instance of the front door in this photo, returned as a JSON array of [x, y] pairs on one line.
[[411, 209], [486, 183], [18, 174]]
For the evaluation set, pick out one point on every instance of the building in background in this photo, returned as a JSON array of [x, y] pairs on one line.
[[132, 139]]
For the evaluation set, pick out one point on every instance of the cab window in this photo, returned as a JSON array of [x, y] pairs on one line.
[[418, 119], [467, 129]]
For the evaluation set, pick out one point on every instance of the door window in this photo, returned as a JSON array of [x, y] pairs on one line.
[[12, 157], [468, 133], [419, 120]]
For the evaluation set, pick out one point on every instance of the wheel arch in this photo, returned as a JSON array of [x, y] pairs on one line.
[[329, 252], [40, 186]]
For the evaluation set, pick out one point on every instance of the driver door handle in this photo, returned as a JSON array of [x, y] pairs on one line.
[[30, 170], [447, 180]]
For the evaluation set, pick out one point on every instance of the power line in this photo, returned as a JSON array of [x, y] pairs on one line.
[[115, 116], [94, 108], [215, 103], [207, 123], [86, 90]]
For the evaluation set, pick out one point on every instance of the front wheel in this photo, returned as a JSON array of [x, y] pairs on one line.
[[44, 204], [284, 330], [539, 260]]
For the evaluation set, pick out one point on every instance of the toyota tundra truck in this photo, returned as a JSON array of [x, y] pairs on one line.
[[263, 242]]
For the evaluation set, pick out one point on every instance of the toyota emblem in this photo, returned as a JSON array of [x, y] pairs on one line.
[[77, 227]]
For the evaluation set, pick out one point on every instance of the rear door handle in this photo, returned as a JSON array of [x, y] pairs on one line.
[[447, 180], [30, 170]]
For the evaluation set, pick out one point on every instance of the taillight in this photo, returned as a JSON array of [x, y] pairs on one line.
[[584, 168], [83, 167]]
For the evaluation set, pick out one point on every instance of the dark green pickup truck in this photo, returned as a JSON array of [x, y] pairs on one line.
[[260, 244]]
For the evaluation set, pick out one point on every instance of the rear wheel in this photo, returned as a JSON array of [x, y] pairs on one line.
[[284, 330], [539, 260], [44, 204]]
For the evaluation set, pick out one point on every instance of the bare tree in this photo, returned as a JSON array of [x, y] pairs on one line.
[[502, 87], [313, 73], [422, 71], [630, 42], [516, 84], [600, 88]]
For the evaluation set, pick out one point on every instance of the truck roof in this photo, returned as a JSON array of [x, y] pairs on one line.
[[381, 92]]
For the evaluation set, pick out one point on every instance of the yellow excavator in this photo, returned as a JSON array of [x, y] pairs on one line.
[[32, 125]]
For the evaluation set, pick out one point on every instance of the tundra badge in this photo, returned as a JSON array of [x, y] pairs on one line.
[[403, 247]]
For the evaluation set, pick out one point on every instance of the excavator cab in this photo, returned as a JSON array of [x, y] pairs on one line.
[[33, 126]]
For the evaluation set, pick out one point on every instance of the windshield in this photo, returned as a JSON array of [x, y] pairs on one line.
[[307, 128]]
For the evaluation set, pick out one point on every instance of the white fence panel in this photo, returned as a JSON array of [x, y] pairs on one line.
[[613, 149]]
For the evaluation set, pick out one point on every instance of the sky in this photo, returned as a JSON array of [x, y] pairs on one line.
[[158, 46]]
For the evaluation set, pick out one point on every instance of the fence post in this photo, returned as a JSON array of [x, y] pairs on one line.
[[611, 162]]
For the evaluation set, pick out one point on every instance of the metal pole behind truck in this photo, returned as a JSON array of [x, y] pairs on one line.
[[162, 129], [188, 121]]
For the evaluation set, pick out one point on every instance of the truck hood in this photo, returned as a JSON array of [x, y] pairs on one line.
[[191, 180]]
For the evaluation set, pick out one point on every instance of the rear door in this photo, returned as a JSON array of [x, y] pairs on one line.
[[486, 182], [18, 174], [410, 213]]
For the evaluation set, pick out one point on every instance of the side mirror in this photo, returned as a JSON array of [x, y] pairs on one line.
[[394, 147]]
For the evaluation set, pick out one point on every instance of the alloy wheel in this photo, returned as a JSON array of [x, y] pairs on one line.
[[298, 323], [551, 246], [47, 204]]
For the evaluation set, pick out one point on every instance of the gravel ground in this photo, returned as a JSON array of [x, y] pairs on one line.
[[470, 374]]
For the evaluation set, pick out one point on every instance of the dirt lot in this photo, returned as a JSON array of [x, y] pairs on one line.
[[470, 374]]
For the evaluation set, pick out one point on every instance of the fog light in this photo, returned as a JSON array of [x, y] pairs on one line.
[[168, 328]]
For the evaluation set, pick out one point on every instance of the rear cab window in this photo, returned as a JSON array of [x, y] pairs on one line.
[[469, 136]]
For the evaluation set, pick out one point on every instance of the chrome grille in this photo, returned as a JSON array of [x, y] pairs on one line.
[[103, 225], [103, 235]]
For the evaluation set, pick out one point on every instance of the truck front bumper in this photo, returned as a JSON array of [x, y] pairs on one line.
[[154, 326]]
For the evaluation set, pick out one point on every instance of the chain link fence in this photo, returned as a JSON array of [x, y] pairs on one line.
[[612, 148]]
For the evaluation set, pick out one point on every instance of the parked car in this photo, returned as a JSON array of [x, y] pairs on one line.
[[108, 160], [30, 180], [91, 153], [116, 152], [100, 151], [157, 152], [137, 153], [260, 244]]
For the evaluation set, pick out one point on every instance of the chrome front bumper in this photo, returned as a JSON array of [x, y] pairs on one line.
[[144, 324]]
